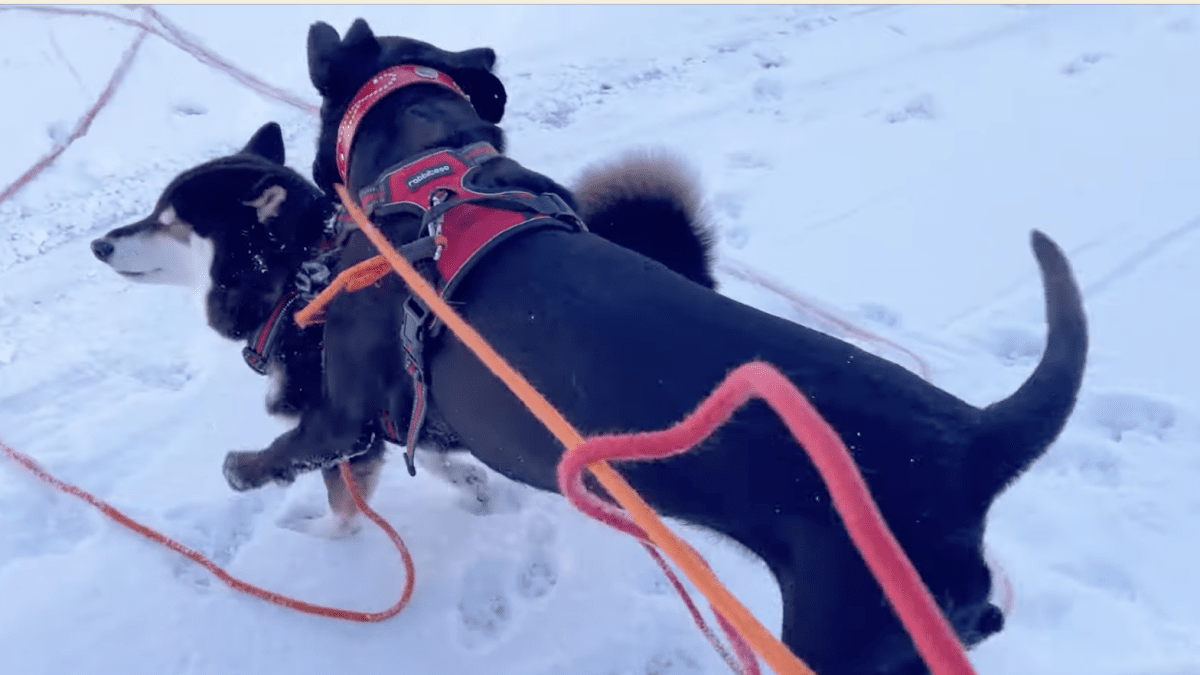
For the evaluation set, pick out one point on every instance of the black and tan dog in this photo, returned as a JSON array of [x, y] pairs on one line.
[[619, 342]]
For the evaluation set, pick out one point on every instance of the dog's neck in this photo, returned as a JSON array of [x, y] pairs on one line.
[[400, 111]]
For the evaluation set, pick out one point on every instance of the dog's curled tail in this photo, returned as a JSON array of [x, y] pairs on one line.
[[649, 201], [1017, 430]]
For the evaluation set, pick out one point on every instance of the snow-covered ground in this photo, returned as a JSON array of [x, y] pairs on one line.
[[887, 163]]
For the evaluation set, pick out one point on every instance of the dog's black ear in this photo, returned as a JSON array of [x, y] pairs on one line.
[[267, 143], [323, 46], [481, 58], [360, 40], [473, 72]]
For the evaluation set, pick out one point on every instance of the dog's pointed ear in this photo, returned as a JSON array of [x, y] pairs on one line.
[[267, 143], [361, 40], [323, 46], [473, 72]]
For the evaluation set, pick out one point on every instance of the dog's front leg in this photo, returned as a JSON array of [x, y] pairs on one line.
[[322, 438]]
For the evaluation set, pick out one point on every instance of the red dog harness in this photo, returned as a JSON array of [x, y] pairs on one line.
[[462, 221]]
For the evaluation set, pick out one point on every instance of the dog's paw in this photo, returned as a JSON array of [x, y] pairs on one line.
[[309, 517], [333, 526], [247, 470]]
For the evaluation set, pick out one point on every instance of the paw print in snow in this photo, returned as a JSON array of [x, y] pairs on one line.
[[1083, 63]]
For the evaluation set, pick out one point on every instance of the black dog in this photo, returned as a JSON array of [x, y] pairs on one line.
[[240, 227], [619, 342]]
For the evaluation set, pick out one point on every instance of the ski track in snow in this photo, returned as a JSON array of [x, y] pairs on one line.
[[886, 162]]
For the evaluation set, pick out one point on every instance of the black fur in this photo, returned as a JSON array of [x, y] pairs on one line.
[[619, 342], [649, 201]]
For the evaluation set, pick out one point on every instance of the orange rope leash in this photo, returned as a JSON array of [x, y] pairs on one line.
[[238, 584], [351, 279], [777, 656]]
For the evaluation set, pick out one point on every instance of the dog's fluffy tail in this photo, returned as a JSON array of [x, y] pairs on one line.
[[649, 201], [1017, 430]]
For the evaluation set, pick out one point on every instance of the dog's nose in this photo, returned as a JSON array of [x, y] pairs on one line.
[[102, 249]]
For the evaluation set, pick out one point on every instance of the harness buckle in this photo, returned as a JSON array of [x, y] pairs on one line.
[[256, 360], [412, 335]]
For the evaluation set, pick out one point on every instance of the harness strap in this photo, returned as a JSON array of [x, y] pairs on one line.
[[261, 344], [412, 340]]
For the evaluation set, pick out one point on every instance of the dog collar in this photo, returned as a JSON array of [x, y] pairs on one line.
[[372, 92]]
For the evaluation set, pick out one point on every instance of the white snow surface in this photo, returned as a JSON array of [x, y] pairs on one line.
[[887, 163]]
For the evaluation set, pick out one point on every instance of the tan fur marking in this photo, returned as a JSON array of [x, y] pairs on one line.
[[268, 203], [175, 227]]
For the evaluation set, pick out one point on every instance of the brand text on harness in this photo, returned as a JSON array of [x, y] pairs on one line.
[[427, 175]]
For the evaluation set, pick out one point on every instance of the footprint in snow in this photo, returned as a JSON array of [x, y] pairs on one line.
[[483, 493], [217, 531], [37, 521], [1103, 576], [487, 605], [1083, 63], [1122, 412], [1014, 345], [484, 608], [1096, 463], [878, 313], [748, 160], [1045, 609], [538, 571], [674, 662], [921, 107]]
